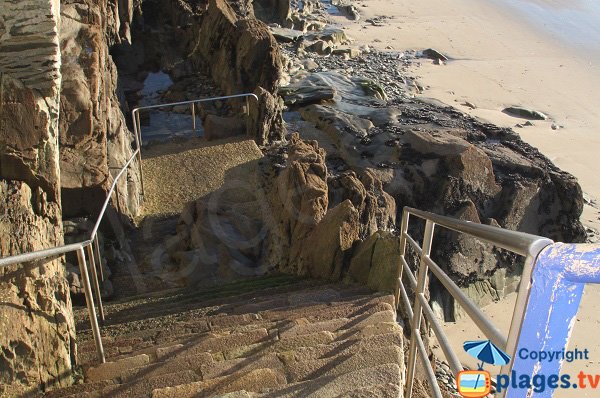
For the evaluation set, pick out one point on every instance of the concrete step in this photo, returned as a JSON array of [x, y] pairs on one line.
[[253, 380], [133, 342], [325, 311], [342, 347], [304, 370], [142, 387], [113, 369], [231, 366], [228, 296], [304, 326], [341, 385], [79, 389]]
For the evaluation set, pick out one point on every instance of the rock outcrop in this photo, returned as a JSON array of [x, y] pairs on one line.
[[283, 212], [94, 139], [36, 320], [242, 56]]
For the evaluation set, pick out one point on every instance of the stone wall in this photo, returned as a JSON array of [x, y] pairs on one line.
[[94, 138], [36, 322]]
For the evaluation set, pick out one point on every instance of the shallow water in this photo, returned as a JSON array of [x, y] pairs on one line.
[[574, 22], [164, 124]]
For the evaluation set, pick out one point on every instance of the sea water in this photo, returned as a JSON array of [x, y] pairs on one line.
[[576, 23]]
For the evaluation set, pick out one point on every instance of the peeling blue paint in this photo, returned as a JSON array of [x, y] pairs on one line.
[[558, 279]]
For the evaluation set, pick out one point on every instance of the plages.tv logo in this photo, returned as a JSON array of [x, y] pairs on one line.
[[478, 383]]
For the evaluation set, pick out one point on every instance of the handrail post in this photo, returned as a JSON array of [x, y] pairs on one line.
[[193, 116], [90, 304], [96, 243], [417, 309], [403, 232], [138, 133], [96, 286]]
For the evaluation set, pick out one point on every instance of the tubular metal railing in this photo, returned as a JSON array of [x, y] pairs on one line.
[[91, 246], [520, 243]]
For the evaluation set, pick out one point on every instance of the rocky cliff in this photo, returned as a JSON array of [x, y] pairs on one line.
[[94, 139], [36, 322]]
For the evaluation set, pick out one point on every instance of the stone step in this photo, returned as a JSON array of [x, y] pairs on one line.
[[195, 345], [323, 337], [388, 390], [304, 370], [325, 311], [303, 326], [143, 386], [306, 340], [143, 341], [230, 366], [185, 300], [253, 380], [341, 385], [79, 389], [114, 369], [168, 365], [342, 347], [131, 342]]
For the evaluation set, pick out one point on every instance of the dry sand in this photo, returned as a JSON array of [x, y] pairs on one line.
[[500, 59]]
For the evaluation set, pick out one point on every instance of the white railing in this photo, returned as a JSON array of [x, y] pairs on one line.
[[529, 246], [91, 246]]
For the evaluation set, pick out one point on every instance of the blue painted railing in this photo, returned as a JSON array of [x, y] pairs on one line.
[[559, 276]]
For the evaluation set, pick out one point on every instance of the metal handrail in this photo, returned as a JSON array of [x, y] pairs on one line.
[[523, 244], [91, 245], [41, 254], [137, 126], [93, 249]]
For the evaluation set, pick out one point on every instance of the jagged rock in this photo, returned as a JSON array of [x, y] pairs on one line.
[[94, 138], [433, 54], [265, 119], [310, 65], [216, 127], [320, 47], [377, 209], [335, 36], [328, 244], [461, 158], [241, 54], [524, 113], [286, 35], [375, 262], [273, 11], [349, 52], [305, 95]]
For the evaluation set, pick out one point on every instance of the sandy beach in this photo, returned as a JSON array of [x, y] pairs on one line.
[[534, 53]]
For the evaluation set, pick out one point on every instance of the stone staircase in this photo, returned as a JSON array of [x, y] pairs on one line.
[[276, 336]]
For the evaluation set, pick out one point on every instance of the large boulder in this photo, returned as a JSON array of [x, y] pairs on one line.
[[376, 263], [326, 250], [242, 56], [240, 53]]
